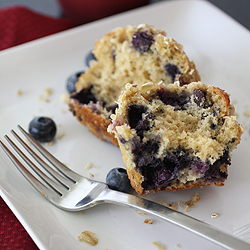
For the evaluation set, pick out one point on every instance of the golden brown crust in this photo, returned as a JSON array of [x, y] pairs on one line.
[[136, 179], [95, 123], [222, 97], [134, 176]]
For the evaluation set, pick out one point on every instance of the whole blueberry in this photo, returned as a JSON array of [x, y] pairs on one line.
[[142, 41], [117, 179], [43, 129], [72, 80], [89, 58]]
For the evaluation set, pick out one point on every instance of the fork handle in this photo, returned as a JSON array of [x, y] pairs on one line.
[[196, 226]]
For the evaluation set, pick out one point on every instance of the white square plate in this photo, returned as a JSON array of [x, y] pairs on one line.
[[220, 48]]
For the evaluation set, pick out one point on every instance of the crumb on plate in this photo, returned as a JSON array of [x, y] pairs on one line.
[[19, 92], [158, 245], [89, 165], [139, 212], [196, 197], [61, 134], [89, 237], [148, 221], [214, 215], [48, 91]]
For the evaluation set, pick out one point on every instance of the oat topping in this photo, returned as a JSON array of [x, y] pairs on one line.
[[61, 134], [19, 92], [214, 215], [89, 237], [49, 144], [89, 165], [139, 212], [48, 92], [158, 245]]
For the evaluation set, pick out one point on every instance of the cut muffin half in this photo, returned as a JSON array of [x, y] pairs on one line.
[[175, 137]]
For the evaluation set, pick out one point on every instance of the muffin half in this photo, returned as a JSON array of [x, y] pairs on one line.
[[175, 136], [126, 55]]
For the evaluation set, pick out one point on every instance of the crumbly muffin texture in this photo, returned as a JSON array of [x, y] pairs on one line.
[[175, 136], [127, 55]]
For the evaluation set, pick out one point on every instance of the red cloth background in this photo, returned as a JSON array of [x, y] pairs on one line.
[[19, 25], [12, 233]]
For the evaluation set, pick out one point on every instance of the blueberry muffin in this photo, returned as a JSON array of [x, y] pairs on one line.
[[126, 55], [175, 136]]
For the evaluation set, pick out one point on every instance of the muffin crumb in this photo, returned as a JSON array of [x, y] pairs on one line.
[[214, 215], [89, 237], [148, 221], [189, 203], [88, 166], [48, 91], [61, 134], [19, 92], [196, 197], [139, 212], [158, 245], [172, 206]]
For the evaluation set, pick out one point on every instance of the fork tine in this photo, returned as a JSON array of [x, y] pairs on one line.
[[58, 188], [54, 161], [40, 187], [66, 182]]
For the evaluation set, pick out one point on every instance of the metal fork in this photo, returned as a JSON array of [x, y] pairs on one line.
[[74, 192]]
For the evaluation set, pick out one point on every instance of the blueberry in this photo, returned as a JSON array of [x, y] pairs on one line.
[[199, 97], [135, 112], [172, 70], [43, 129], [85, 96], [140, 118], [89, 58], [72, 80], [117, 179], [142, 41], [171, 98]]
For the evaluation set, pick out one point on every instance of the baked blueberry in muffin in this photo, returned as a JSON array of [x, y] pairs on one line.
[[175, 137], [126, 55]]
